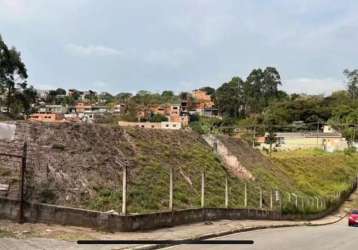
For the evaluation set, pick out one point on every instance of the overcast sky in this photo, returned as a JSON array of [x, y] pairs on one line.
[[117, 45]]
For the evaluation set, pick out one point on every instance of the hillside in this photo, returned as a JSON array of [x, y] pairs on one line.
[[80, 165], [307, 172]]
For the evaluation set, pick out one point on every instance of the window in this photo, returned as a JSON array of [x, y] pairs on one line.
[[167, 125], [174, 125]]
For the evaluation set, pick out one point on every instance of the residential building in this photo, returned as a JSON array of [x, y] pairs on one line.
[[42, 93], [119, 108], [81, 107], [53, 109], [47, 117], [202, 100], [152, 125], [328, 140]]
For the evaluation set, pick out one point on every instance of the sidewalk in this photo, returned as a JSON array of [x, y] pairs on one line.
[[41, 236]]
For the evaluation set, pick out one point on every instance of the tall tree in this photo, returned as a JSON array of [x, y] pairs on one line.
[[13, 73], [60, 91], [123, 97], [271, 81], [253, 90], [209, 90], [261, 88], [228, 97], [352, 82]]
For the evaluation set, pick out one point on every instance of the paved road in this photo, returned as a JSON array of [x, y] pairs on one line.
[[336, 236]]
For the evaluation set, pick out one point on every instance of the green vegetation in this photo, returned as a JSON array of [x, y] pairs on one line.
[[204, 125], [306, 173], [13, 85]]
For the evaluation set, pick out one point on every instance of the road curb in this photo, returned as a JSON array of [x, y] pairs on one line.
[[328, 223], [228, 232]]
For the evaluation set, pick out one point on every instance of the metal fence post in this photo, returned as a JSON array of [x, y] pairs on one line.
[[22, 182], [226, 192], [303, 203], [202, 189], [296, 199], [171, 188], [280, 200], [124, 190], [245, 195]]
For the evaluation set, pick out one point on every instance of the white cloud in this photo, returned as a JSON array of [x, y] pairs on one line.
[[92, 50], [172, 57], [100, 84], [16, 7], [313, 85], [45, 86]]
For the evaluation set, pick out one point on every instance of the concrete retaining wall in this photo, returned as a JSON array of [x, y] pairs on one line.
[[52, 214]]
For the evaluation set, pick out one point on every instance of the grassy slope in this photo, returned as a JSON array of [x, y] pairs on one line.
[[85, 169], [305, 172], [152, 152]]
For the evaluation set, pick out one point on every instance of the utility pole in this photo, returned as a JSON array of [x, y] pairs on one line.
[[260, 198]]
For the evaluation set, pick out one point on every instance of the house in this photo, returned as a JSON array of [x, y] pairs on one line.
[[42, 93], [151, 125], [119, 108], [81, 107], [328, 140], [174, 114], [53, 109], [47, 117], [203, 100], [201, 95], [161, 109], [204, 104], [170, 125]]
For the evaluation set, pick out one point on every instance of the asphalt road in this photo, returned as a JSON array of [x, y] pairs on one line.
[[336, 236]]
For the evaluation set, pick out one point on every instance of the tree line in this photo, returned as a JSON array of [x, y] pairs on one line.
[[254, 101]]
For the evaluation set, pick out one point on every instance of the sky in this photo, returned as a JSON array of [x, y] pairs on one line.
[[180, 45]]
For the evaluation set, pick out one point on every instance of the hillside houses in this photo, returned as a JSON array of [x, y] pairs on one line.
[[84, 106]]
